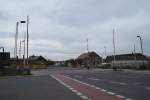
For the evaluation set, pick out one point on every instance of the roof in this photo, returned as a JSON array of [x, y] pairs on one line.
[[33, 58], [88, 55], [131, 56]]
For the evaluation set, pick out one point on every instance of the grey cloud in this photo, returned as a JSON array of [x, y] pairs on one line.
[[70, 22]]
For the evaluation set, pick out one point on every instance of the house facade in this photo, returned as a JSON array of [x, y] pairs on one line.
[[133, 59], [37, 62], [4, 59], [89, 59]]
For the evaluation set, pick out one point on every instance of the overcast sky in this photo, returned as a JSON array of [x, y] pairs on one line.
[[58, 29]]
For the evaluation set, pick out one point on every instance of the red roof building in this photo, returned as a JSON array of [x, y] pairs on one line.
[[90, 59]]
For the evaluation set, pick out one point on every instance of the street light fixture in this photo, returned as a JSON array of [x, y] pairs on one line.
[[114, 56], [28, 68], [24, 54], [141, 43], [16, 41]]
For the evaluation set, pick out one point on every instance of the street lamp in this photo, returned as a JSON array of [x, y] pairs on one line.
[[16, 41], [24, 54], [105, 51], [21, 48], [141, 43], [27, 21], [114, 48]]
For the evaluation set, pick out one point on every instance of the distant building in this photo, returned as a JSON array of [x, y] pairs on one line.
[[89, 59], [132, 59], [4, 59], [37, 62]]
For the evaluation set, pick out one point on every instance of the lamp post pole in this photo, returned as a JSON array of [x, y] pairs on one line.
[[16, 40], [141, 43], [27, 61], [105, 51], [114, 47], [20, 50], [27, 40], [24, 54]]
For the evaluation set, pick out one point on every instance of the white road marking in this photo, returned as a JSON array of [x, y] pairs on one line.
[[111, 93], [87, 98], [98, 88], [72, 89], [128, 99], [78, 93], [84, 97], [103, 90], [120, 83], [148, 88], [120, 96]]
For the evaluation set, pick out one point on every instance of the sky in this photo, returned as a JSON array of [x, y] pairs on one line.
[[58, 29]]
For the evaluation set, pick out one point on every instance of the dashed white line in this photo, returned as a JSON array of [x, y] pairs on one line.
[[128, 99], [84, 97], [148, 88], [111, 93], [120, 96], [72, 89], [103, 90], [78, 93], [98, 88], [87, 98], [120, 83]]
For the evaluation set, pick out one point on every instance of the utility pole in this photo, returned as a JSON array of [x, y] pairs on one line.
[[114, 45], [27, 61], [28, 68], [16, 40], [141, 43], [87, 45], [24, 50], [20, 50], [27, 40], [24, 53], [105, 51], [88, 60], [134, 53]]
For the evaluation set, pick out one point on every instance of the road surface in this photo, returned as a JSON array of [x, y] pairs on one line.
[[77, 84]]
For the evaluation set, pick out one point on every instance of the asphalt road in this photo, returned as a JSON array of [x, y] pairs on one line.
[[34, 88], [131, 85]]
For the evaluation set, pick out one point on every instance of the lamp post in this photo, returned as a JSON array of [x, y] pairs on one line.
[[24, 54], [27, 21], [16, 41], [114, 47], [141, 43], [105, 51], [20, 50]]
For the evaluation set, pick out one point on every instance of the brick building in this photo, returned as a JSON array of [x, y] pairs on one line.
[[89, 59]]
